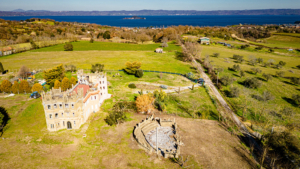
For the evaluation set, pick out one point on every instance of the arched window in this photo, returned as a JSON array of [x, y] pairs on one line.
[[100, 82], [69, 125], [56, 115], [62, 114], [103, 87], [73, 114]]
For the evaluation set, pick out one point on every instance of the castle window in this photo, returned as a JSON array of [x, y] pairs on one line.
[[103, 81], [58, 124], [52, 126], [100, 82], [67, 105], [74, 123], [73, 114], [56, 115], [101, 94], [55, 106], [95, 97], [60, 105], [63, 123], [103, 87], [72, 105], [49, 106], [62, 114], [91, 97], [50, 116]]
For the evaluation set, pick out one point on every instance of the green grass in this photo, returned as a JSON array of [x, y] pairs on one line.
[[288, 34], [283, 41], [83, 59], [109, 46]]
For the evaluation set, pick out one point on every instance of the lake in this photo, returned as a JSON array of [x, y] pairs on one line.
[[160, 21]]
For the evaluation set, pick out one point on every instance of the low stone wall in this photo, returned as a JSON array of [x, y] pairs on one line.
[[149, 124]]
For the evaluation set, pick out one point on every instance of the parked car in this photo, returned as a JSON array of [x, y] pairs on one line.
[[201, 81], [35, 95]]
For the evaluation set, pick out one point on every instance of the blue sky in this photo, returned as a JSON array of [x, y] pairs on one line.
[[105, 5]]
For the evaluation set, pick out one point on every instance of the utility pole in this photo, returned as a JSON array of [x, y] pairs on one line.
[[156, 141]]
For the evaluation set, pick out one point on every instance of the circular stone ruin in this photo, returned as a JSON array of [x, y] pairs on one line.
[[159, 136]]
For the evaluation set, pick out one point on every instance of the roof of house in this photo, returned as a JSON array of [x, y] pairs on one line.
[[204, 38], [85, 88], [6, 48], [90, 94], [158, 49]]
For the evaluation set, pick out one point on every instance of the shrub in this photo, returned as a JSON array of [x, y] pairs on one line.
[[164, 45], [244, 46], [15, 87], [216, 55], [70, 68], [282, 63], [236, 57], [267, 76], [242, 73], [131, 67], [139, 73], [256, 70], [295, 80], [97, 67], [220, 69], [132, 86], [260, 60], [68, 47], [252, 83], [92, 40], [252, 60], [280, 74], [65, 84], [226, 80], [259, 48], [278, 66], [144, 103], [117, 115], [265, 64], [190, 75], [106, 35], [234, 92]]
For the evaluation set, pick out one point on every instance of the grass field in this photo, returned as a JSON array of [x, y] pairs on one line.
[[108, 46], [280, 88], [288, 34], [283, 41]]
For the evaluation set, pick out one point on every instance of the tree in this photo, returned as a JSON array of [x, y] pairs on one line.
[[132, 67], [296, 98], [65, 84], [68, 47], [24, 86], [256, 70], [226, 80], [252, 60], [15, 87], [242, 73], [97, 68], [267, 76], [92, 40], [190, 51], [260, 60], [57, 84], [6, 86], [106, 35], [139, 73], [1, 68], [252, 83], [280, 74], [4, 117], [144, 103], [282, 63], [73, 81], [236, 68], [37, 88], [234, 92], [56, 73], [117, 115], [160, 99], [143, 37], [164, 42], [23, 72], [271, 61], [267, 96], [295, 80]]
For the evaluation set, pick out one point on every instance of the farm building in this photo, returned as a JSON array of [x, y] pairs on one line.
[[204, 40], [6, 51], [159, 50]]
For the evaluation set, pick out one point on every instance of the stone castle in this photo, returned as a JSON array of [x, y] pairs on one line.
[[70, 109]]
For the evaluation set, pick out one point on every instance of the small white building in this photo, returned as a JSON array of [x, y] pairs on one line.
[[159, 50]]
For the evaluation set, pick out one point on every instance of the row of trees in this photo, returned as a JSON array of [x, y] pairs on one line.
[[22, 87]]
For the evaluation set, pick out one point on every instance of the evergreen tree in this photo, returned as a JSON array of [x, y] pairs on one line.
[[139, 73], [65, 84], [15, 87], [24, 86], [132, 67], [57, 73], [56, 84], [6, 86], [37, 87], [1, 68]]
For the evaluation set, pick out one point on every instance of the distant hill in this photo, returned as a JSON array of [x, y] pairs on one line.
[[21, 12]]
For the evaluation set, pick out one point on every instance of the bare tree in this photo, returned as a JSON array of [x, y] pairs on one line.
[[23, 72]]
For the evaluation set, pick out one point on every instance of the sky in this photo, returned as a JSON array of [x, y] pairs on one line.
[[110, 5]]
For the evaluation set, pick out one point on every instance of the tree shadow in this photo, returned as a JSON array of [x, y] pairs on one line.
[[286, 82], [230, 69], [291, 101], [250, 72], [236, 75], [5, 119], [262, 79], [179, 55], [226, 92]]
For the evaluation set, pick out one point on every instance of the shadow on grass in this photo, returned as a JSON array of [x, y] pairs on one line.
[[179, 56], [250, 72], [236, 75], [262, 79], [286, 82], [291, 101], [5, 119]]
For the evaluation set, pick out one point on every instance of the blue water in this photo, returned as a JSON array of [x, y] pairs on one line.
[[159, 21]]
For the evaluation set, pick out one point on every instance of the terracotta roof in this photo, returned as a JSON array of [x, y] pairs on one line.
[[7, 48], [90, 94], [158, 48], [96, 85], [85, 88]]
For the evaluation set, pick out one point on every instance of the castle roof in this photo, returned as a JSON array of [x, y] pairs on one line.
[[85, 88], [90, 94]]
